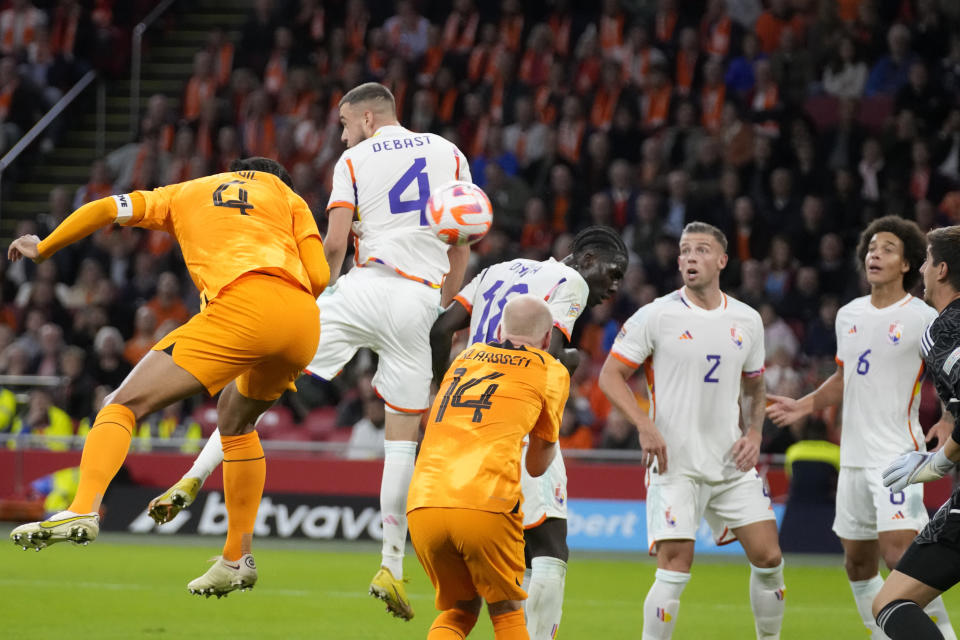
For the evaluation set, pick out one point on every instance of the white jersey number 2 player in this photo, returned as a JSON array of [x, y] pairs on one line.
[[700, 349]]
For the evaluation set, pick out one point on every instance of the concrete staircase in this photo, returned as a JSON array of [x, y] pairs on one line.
[[167, 64]]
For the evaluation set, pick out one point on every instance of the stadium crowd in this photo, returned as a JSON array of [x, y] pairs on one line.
[[789, 124], [45, 47]]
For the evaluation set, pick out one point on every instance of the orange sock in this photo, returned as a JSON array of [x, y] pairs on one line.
[[103, 454], [510, 626], [244, 471], [452, 624]]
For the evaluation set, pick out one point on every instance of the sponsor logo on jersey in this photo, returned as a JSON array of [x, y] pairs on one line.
[[574, 310], [559, 495], [622, 333], [898, 516], [737, 336], [671, 521], [852, 331], [686, 335], [895, 333]]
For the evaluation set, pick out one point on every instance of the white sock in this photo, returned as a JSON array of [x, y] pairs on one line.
[[398, 460], [938, 613], [864, 591], [544, 604], [767, 599], [208, 460], [662, 603]]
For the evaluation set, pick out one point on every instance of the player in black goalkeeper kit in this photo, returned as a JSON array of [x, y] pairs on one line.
[[931, 564]]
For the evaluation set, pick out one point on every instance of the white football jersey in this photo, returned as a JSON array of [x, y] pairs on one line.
[[561, 286], [387, 179], [879, 350], [693, 360]]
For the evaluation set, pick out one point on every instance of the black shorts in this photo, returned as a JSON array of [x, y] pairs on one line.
[[936, 564]]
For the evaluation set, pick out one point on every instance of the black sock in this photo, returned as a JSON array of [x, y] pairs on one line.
[[905, 620]]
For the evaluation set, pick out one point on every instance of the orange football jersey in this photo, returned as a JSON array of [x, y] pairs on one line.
[[231, 223], [491, 397]]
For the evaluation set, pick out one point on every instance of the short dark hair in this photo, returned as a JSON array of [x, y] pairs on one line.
[[945, 247], [914, 245], [370, 92], [709, 229], [600, 239], [265, 165]]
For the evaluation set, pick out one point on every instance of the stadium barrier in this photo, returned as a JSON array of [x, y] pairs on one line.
[[319, 496]]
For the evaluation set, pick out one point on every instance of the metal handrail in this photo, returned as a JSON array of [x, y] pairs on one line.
[[135, 61], [45, 122], [31, 381]]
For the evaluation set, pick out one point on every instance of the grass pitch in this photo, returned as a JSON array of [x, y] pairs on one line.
[[135, 587]]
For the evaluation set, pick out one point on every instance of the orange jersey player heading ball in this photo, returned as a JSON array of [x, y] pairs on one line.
[[464, 502], [252, 247]]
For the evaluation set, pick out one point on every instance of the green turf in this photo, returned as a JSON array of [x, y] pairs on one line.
[[134, 587]]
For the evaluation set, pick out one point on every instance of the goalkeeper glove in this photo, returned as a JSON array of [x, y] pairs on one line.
[[916, 467]]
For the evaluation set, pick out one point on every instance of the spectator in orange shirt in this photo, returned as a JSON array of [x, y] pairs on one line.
[[145, 325], [18, 26], [772, 22], [221, 52], [98, 186], [460, 29], [573, 433], [167, 304], [536, 237], [201, 87], [610, 26]]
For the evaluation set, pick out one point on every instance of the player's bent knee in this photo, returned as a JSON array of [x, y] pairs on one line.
[[767, 559], [860, 568], [503, 606]]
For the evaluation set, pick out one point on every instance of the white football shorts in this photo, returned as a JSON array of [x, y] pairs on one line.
[[676, 505], [866, 507], [546, 496], [391, 315]]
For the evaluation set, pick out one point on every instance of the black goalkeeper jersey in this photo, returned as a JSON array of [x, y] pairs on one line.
[[940, 348]]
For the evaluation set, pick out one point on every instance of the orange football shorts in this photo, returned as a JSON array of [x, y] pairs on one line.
[[468, 552], [261, 330]]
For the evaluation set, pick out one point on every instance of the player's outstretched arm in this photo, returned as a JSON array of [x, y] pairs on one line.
[[458, 257], [78, 225], [613, 383], [916, 467], [540, 454], [453, 318], [25, 247], [786, 411], [338, 235]]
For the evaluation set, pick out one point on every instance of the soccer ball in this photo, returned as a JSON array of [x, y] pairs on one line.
[[459, 212]]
